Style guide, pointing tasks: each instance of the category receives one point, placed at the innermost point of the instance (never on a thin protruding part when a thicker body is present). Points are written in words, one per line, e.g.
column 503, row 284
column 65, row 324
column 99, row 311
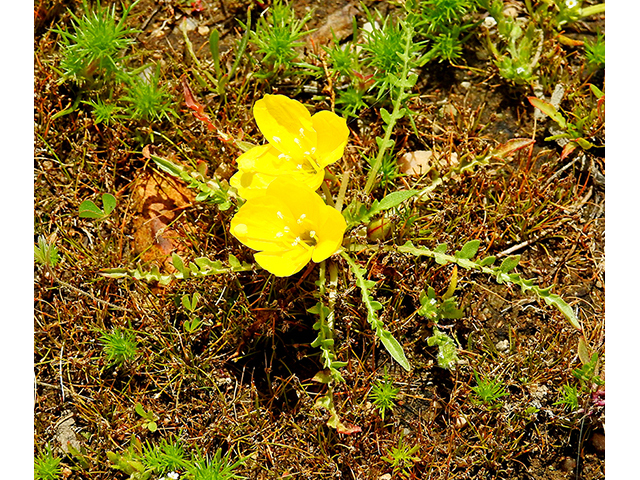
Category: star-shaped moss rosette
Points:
column 300, row 146
column 289, row 225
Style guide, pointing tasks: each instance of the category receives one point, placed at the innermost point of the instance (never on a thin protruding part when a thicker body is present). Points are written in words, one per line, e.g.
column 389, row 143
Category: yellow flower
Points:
column 288, row 225
column 300, row 145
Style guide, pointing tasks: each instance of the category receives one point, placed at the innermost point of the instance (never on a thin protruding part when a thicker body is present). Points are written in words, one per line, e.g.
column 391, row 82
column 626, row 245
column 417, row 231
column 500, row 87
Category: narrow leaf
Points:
column 549, row 110
column 511, row 146
column 394, row 348
column 509, row 263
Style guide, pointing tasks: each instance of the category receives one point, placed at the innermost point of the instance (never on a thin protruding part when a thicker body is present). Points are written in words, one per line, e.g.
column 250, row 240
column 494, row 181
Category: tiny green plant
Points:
column 595, row 51
column 46, row 466
column 169, row 455
column 216, row 467
column 277, row 37
column 383, row 394
column 119, row 346
column 488, row 390
column 402, row 458
column 97, row 43
column 569, row 397
column 45, row 253
column 88, row 209
column 149, row 418
column 103, row 112
column 146, row 98
column 193, row 323
column 443, row 23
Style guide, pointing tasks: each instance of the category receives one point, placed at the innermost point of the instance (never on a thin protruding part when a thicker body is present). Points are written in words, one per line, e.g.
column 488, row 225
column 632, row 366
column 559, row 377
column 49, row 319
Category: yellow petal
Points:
column 283, row 264
column 260, row 224
column 258, row 169
column 286, row 124
column 332, row 137
column 330, row 234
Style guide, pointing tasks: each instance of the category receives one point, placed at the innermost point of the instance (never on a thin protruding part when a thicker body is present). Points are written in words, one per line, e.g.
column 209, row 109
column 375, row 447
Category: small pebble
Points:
column 567, row 464
column 502, row 346
column 597, row 442
column 465, row 85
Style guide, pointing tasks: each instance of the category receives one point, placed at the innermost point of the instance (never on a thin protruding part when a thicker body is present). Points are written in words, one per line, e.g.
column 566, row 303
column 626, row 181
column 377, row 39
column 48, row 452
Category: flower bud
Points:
column 380, row 229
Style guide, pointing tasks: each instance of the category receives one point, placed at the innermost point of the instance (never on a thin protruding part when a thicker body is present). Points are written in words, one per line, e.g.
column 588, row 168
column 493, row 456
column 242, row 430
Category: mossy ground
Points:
column 242, row 382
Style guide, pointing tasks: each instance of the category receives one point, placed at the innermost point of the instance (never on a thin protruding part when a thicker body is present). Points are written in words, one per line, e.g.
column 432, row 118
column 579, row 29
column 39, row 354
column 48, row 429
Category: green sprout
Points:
column 45, row 253
column 103, row 112
column 146, row 98
column 488, row 391
column 169, row 455
column 277, row 36
column 218, row 467
column 402, row 458
column 569, row 397
column 383, row 394
column 119, row 346
column 97, row 43
column 594, row 51
column 46, row 466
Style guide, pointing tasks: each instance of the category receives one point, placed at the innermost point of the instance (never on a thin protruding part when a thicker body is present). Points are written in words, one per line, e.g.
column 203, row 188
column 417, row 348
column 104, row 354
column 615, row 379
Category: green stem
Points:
column 395, row 115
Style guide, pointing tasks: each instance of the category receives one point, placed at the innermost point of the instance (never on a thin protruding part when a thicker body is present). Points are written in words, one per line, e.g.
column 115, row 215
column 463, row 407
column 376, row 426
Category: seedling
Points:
column 277, row 37
column 488, row 391
column 569, row 397
column 402, row 458
column 190, row 305
column 45, row 253
column 149, row 419
column 383, row 394
column 97, row 43
column 147, row 99
column 595, row 51
column 119, row 346
column 88, row 209
column 46, row 466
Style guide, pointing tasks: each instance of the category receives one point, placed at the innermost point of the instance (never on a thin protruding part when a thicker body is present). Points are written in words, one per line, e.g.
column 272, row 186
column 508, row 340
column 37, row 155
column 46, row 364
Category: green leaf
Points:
column 186, row 303
column 386, row 116
column 108, row 203
column 152, row 426
column 438, row 254
column 394, row 348
column 549, row 110
column 392, row 200
column 88, row 209
column 468, row 250
column 141, row 411
column 509, row 263
column 566, row 310
column 487, row 261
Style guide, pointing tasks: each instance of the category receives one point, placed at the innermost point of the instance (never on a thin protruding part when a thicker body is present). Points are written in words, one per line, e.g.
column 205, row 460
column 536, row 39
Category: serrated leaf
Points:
column 394, row 348
column 108, row 203
column 88, row 209
column 468, row 250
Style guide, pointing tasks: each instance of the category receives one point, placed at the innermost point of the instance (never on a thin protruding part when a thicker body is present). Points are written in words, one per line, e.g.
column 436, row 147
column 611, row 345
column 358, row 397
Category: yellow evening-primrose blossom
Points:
column 300, row 145
column 288, row 225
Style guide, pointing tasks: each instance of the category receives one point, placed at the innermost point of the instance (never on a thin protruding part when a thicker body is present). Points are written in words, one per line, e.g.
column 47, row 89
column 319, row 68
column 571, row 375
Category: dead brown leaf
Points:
column 158, row 200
